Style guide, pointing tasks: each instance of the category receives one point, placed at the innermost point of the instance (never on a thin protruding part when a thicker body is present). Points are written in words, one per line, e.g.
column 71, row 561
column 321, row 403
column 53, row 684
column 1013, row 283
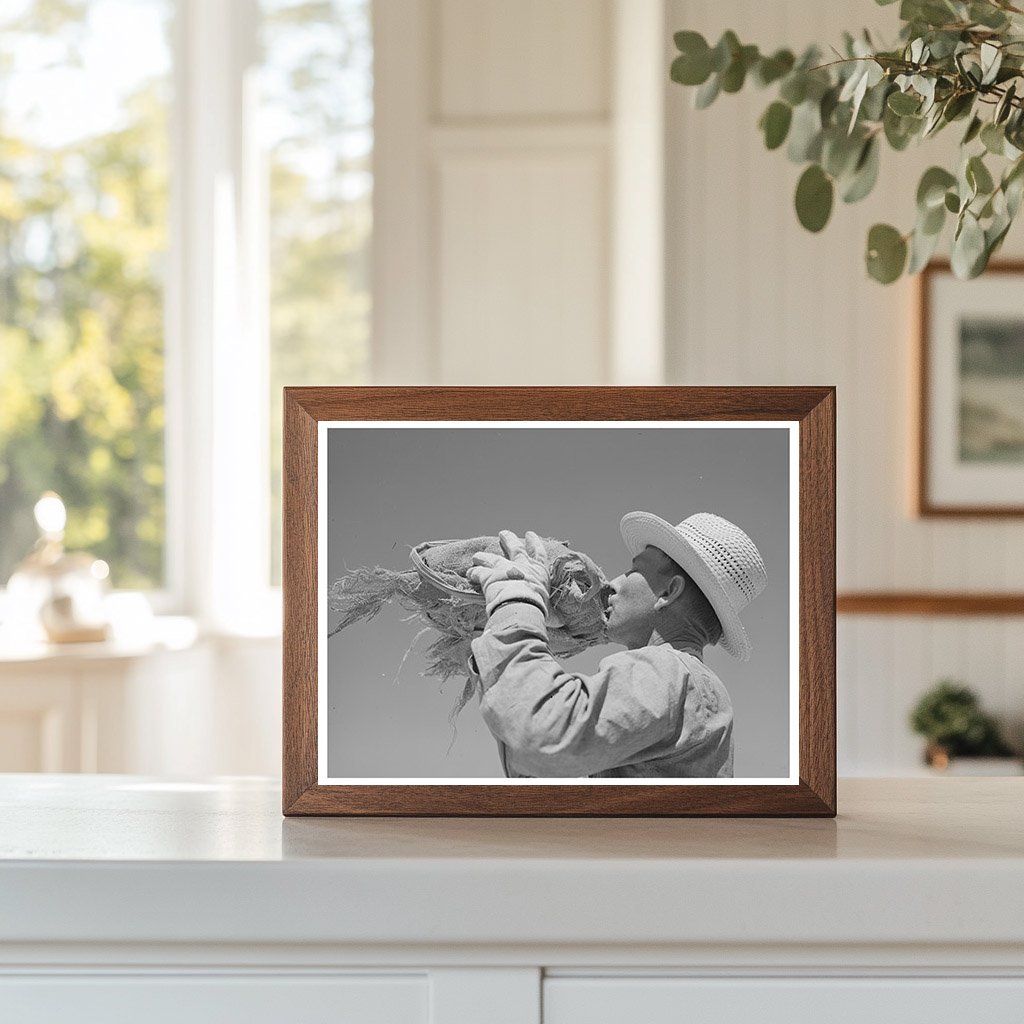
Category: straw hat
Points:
column 722, row 560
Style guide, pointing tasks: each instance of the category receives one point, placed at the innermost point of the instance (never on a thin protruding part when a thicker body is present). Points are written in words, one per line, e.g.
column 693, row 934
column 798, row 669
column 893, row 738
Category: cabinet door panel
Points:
column 783, row 1001
column 201, row 999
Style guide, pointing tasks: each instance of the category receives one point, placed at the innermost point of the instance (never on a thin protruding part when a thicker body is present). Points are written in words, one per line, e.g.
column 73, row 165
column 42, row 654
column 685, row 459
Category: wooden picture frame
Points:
column 319, row 420
column 969, row 448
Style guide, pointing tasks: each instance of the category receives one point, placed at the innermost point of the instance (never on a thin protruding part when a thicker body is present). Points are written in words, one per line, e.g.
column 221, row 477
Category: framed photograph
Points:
column 970, row 450
column 559, row 601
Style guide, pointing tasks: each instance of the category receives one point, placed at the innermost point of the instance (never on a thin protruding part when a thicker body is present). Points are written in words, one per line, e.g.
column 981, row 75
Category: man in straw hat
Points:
column 654, row 710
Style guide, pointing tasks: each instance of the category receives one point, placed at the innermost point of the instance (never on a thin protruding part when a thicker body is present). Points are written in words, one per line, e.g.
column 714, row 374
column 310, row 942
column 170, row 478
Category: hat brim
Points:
column 642, row 529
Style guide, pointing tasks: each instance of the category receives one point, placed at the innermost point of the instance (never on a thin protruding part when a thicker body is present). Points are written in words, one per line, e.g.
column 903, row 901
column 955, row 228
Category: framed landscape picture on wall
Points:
column 559, row 601
column 970, row 451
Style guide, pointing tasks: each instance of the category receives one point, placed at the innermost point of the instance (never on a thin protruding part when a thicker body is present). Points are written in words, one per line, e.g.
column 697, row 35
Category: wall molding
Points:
column 928, row 603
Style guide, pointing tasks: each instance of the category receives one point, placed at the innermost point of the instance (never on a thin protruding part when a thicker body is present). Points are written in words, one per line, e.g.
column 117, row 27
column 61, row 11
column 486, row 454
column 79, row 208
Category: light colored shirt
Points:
column 653, row 712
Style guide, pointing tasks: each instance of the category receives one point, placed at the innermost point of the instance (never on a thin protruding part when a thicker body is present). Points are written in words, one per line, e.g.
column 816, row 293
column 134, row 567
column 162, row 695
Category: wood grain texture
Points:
column 812, row 407
column 924, row 506
column 924, row 603
column 298, row 586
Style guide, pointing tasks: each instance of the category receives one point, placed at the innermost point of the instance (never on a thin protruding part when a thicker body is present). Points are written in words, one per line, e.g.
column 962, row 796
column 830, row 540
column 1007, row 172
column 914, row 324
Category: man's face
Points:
column 631, row 606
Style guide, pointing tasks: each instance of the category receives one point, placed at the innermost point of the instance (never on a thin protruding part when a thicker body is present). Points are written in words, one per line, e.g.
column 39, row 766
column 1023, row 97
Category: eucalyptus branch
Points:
column 833, row 117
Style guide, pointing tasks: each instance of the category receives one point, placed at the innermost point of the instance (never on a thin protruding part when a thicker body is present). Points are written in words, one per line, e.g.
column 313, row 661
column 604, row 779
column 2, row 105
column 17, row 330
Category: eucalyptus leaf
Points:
column 991, row 60
column 932, row 221
column 958, row 105
column 903, row 103
column 794, row 88
column 724, row 51
column 978, row 176
column 993, row 138
column 805, row 133
column 900, row 130
column 840, row 152
column 735, row 74
column 1013, row 191
column 814, row 195
column 968, row 247
column 952, row 202
column 922, row 248
column 865, row 173
column 873, row 106
column 707, row 93
column 931, row 190
column 775, row 123
column 987, row 15
column 972, row 132
column 1004, row 106
column 886, row 253
column 771, row 69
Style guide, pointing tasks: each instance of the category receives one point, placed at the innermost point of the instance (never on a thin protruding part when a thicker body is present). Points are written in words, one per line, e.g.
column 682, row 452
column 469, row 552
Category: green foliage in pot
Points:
column 949, row 715
column 956, row 61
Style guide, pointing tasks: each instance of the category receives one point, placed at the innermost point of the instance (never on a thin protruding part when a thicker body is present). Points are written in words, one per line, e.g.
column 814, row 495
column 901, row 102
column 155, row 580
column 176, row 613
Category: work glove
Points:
column 522, row 575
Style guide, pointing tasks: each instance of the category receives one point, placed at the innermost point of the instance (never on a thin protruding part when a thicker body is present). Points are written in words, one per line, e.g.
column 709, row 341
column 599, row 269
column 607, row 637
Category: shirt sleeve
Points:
column 559, row 723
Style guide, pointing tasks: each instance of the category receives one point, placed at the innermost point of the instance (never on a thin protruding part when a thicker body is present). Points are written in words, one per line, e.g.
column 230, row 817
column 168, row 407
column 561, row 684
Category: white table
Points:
column 125, row 898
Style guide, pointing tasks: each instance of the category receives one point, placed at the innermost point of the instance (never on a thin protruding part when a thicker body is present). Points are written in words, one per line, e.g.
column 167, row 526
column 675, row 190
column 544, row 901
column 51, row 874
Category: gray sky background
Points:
column 390, row 489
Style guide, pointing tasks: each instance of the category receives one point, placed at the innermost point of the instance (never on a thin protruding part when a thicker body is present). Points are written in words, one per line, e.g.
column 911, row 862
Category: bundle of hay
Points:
column 437, row 590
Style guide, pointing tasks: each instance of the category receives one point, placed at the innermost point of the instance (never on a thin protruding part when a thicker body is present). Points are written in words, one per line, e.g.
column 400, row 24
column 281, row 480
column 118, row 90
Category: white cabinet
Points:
column 132, row 898
column 202, row 999
column 823, row 1000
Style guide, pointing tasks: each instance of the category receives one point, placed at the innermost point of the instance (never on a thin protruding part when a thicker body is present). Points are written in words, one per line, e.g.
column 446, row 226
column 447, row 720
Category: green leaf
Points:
column 991, row 60
column 900, row 130
column 1013, row 186
column 922, row 247
column 771, row 69
column 865, row 173
column 978, row 176
column 735, row 74
column 952, row 202
column 886, row 254
column 993, row 138
column 972, row 131
column 1004, row 106
column 873, row 106
column 693, row 65
column 931, row 222
column 904, row 103
column 968, row 256
column 839, row 151
column 958, row 105
column 805, row 133
column 707, row 93
column 690, row 71
column 725, row 50
column 931, row 191
column 814, row 195
column 794, row 89
column 775, row 124
column 987, row 15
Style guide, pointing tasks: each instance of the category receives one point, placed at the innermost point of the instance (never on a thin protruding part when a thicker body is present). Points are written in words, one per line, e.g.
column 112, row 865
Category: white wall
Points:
column 754, row 299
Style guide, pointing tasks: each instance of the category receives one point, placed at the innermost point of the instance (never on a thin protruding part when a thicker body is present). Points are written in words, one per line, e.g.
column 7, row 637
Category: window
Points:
column 317, row 117
column 83, row 236
column 185, row 221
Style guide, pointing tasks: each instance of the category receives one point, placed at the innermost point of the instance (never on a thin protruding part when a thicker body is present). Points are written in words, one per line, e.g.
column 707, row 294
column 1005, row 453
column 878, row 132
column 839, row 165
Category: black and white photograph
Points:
column 595, row 602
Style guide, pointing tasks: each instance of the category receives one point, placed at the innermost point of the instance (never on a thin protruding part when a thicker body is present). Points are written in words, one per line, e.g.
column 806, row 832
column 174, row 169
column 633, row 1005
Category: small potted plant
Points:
column 950, row 717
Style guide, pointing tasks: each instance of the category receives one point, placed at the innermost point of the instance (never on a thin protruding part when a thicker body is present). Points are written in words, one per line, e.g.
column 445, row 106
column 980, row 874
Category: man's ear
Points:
column 675, row 588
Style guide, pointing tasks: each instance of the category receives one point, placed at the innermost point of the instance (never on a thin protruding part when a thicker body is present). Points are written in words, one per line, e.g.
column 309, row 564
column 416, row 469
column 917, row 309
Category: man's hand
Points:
column 522, row 575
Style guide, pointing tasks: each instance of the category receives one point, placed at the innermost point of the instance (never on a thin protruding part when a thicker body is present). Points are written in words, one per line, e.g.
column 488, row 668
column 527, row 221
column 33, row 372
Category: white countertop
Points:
column 125, row 859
